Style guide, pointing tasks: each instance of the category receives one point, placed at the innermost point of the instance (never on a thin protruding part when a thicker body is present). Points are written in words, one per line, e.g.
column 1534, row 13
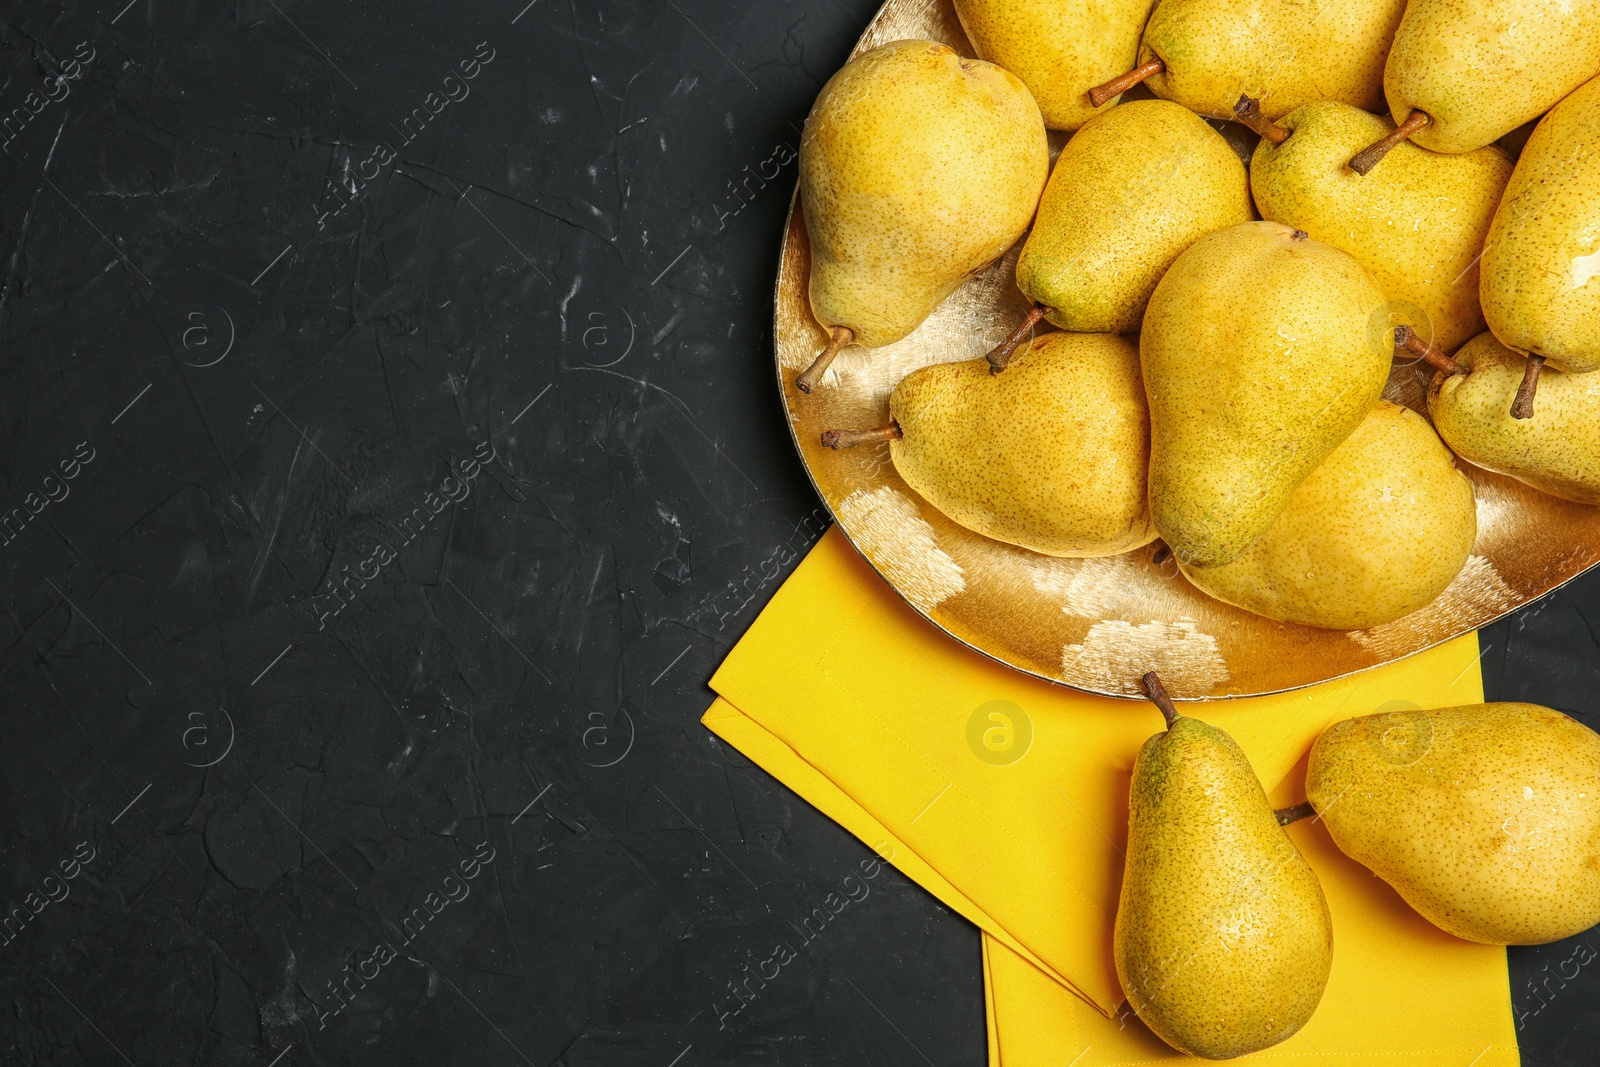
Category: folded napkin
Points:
column 1006, row 798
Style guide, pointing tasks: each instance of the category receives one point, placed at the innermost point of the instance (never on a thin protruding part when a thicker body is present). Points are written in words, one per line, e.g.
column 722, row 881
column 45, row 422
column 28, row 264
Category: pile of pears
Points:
column 1223, row 329
column 1484, row 818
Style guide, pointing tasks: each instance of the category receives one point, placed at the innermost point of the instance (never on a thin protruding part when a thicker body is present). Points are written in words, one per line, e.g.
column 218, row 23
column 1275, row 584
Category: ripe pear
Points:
column 1260, row 356
column 1058, row 50
column 1558, row 452
column 1050, row 456
column 1133, row 189
column 1485, row 818
column 1417, row 223
column 1204, row 53
column 1540, row 279
column 1222, row 941
column 1374, row 533
column 1464, row 74
column 918, row 168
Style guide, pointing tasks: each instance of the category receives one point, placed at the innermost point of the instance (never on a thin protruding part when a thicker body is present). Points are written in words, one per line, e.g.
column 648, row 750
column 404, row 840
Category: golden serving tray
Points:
column 1098, row 624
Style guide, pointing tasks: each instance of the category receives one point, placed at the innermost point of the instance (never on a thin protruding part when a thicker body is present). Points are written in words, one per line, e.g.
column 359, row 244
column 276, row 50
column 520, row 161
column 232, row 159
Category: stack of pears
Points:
column 1223, row 339
column 1262, row 456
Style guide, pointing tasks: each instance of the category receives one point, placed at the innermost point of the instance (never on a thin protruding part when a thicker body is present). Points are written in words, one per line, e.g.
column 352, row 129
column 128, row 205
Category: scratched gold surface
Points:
column 1096, row 624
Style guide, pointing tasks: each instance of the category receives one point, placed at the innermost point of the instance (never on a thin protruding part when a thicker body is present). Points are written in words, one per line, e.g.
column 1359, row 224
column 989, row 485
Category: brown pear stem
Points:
column 841, row 336
column 1123, row 82
column 1522, row 406
column 1158, row 696
column 1248, row 110
column 837, row 439
column 1000, row 358
column 1407, row 340
column 1285, row 816
column 1373, row 154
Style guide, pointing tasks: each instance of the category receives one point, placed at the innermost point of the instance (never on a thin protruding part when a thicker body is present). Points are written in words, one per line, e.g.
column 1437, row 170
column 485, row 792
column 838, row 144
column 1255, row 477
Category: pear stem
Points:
column 1409, row 341
column 1522, row 406
column 1373, row 154
column 1248, row 111
column 837, row 439
column 1000, row 358
column 1123, row 82
column 1285, row 816
column 1158, row 696
column 837, row 340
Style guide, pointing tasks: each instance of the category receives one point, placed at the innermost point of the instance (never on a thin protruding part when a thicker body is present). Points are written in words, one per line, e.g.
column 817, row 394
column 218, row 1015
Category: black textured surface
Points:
column 391, row 442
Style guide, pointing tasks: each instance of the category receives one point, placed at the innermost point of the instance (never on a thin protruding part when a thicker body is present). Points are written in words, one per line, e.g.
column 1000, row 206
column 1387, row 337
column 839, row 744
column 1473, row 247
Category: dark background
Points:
column 268, row 376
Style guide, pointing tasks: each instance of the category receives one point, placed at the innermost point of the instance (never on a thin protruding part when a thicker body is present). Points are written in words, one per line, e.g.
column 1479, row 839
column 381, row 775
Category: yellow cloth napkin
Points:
column 1006, row 798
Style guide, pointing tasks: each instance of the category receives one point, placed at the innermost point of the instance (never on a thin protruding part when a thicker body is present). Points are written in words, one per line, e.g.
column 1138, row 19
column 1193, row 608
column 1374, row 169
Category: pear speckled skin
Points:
column 917, row 169
column 1050, row 455
column 1222, row 940
column 1417, row 223
column 1485, row 818
column 1261, row 352
column 1541, row 265
column 1060, row 51
column 1273, row 50
column 1134, row 188
column 1378, row 530
column 1557, row 451
column 1481, row 68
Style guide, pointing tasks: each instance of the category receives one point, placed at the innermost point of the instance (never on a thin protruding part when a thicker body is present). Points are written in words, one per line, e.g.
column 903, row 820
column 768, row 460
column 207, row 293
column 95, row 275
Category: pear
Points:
column 1462, row 75
column 1559, row 452
column 918, row 168
column 1418, row 224
column 1058, row 50
column 1204, row 53
column 1259, row 357
column 1541, row 264
column 1378, row 530
column 1222, row 941
column 1133, row 189
column 1485, row 818
column 1050, row 456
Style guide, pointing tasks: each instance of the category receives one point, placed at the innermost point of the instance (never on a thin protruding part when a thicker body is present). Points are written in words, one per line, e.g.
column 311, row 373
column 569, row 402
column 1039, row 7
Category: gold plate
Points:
column 1098, row 624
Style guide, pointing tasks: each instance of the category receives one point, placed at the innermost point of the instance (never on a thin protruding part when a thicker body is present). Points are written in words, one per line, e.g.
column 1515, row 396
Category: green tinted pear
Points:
column 1262, row 350
column 1222, row 942
column 1129, row 193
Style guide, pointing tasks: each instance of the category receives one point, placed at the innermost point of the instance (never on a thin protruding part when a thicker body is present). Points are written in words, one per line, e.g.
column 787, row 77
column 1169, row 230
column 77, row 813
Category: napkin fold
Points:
column 1006, row 798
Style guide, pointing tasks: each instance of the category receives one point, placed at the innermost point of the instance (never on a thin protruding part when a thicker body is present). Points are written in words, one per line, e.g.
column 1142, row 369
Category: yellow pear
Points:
column 1205, row 54
column 1558, row 452
column 1464, row 73
column 1485, row 818
column 1260, row 356
column 1131, row 190
column 1541, row 264
column 1374, row 533
column 918, row 168
column 1058, row 50
column 1050, row 455
column 1418, row 223
column 1222, row 942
